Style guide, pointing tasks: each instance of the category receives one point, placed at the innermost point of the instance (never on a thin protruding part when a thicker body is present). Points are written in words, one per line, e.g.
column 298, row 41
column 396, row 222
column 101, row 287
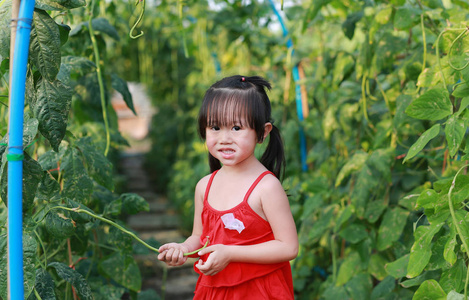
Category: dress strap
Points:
column 255, row 184
column 209, row 184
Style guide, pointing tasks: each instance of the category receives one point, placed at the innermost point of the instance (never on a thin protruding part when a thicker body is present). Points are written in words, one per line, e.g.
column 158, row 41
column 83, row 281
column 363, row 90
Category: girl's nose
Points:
column 225, row 136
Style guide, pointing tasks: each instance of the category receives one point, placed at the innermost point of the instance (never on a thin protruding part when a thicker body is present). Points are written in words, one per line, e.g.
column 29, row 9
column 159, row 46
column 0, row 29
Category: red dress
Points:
column 241, row 280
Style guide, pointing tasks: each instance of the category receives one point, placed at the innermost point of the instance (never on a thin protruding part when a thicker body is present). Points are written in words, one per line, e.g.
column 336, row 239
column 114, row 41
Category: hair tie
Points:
column 243, row 79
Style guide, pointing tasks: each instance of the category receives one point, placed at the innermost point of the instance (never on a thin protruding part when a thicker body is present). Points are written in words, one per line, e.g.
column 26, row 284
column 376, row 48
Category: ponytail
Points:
column 274, row 156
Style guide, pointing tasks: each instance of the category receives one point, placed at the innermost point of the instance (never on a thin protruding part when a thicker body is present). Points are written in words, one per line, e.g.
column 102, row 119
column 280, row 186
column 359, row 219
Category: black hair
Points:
column 237, row 98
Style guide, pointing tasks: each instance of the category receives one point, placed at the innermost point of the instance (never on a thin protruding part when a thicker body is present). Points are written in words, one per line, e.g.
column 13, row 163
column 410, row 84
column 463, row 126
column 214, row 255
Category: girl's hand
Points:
column 173, row 254
column 218, row 260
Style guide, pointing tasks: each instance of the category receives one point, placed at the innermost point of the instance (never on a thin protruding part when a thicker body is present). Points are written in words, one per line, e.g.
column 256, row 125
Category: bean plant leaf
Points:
column 430, row 289
column 354, row 233
column 421, row 278
column 406, row 17
column 454, row 130
column 59, row 5
column 421, row 252
column 462, row 107
column 74, row 278
column 78, row 65
column 349, row 268
column 123, row 269
column 432, row 105
column 32, row 175
column 448, row 252
column 45, row 45
column 99, row 167
column 44, row 286
column 422, row 141
column 391, row 227
column 453, row 278
column 29, row 260
column 51, row 108
column 374, row 210
column 99, row 24
column 78, row 186
column 376, row 266
column 359, row 287
column 384, row 288
column 59, row 224
column 455, row 296
column 121, row 86
column 128, row 203
column 355, row 163
column 5, row 31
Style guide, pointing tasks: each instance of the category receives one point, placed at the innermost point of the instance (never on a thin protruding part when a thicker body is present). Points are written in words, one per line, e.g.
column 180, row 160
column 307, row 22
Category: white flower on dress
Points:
column 232, row 223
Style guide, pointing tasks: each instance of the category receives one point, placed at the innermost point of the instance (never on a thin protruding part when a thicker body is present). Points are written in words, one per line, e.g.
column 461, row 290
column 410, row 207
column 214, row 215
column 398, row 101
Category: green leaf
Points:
column 455, row 129
column 59, row 5
column 78, row 65
column 99, row 167
column 448, row 252
column 48, row 189
column 354, row 233
column 384, row 288
column 51, row 108
column 391, row 227
column 374, row 210
column 123, row 269
column 79, row 217
column 376, row 266
column 322, row 224
column 99, row 25
column 455, row 296
column 453, row 278
column 59, row 224
column 421, row 278
column 461, row 90
column 355, row 163
column 343, row 216
column 74, row 278
column 350, row 23
column 5, row 17
column 462, row 107
column 349, row 268
column 421, row 252
column 384, row 15
column 333, row 292
column 427, row 199
column 422, row 141
column 32, row 175
column 432, row 105
column 406, row 17
column 45, row 45
column 359, row 287
column 430, row 290
column 29, row 260
column 314, row 10
column 120, row 85
column 44, row 286
column 128, row 203
column 77, row 184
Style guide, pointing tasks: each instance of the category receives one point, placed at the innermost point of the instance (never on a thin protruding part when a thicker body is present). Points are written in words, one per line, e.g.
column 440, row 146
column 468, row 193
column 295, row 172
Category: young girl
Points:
column 241, row 206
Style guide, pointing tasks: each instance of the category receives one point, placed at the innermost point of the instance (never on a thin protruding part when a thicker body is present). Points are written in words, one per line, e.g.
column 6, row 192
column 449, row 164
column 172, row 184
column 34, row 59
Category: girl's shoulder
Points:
column 202, row 185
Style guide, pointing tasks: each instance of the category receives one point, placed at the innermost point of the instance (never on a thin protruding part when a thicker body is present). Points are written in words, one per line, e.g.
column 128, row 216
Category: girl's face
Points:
column 232, row 144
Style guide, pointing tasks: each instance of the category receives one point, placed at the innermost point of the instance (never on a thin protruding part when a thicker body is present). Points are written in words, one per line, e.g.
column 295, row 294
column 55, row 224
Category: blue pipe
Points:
column 15, row 151
column 296, row 78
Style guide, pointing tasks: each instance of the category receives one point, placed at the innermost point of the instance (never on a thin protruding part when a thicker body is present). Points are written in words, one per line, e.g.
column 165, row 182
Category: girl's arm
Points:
column 173, row 253
column 285, row 246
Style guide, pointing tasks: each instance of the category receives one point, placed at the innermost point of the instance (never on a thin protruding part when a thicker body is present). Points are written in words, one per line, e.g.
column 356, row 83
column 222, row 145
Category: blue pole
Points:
column 296, row 78
column 15, row 151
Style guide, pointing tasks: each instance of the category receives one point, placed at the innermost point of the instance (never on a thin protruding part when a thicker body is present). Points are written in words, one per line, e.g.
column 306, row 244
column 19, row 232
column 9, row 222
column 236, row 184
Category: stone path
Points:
column 161, row 223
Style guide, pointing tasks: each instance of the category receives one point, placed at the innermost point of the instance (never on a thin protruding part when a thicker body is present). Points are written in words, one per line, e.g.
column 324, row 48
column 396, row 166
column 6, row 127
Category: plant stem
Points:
column 43, row 250
column 334, row 259
column 79, row 210
column 456, row 224
column 97, row 60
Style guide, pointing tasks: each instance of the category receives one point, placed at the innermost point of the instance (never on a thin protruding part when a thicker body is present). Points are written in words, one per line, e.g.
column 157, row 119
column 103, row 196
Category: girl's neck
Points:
column 252, row 166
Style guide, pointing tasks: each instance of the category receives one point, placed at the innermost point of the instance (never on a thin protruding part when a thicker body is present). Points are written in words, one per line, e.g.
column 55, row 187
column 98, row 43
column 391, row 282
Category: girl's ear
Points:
column 267, row 130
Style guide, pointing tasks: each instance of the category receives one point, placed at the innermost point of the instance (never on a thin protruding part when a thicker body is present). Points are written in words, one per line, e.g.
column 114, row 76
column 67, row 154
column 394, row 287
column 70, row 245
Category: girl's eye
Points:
column 236, row 128
column 216, row 128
